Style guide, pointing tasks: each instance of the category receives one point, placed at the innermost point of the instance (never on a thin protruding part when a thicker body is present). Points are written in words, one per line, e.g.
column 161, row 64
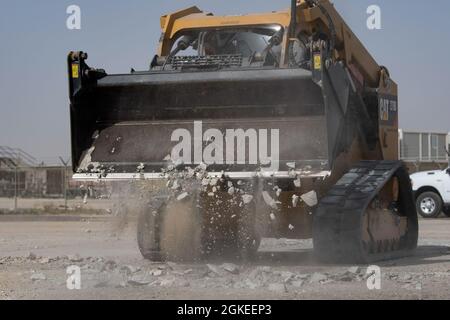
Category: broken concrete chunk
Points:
column 139, row 281
column 310, row 198
column 169, row 282
column 214, row 269
column 156, row 272
column 278, row 191
column 183, row 196
column 292, row 174
column 269, row 200
column 295, row 200
column 38, row 277
column 75, row 258
column 247, row 198
column 175, row 185
column 298, row 183
column 190, row 172
column 302, row 276
column 287, row 276
column 44, row 261
column 318, row 278
column 406, row 277
column 231, row 268
column 202, row 167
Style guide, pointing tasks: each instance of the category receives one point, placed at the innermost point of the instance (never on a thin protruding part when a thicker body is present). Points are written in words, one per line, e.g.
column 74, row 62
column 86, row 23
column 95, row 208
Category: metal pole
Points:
column 65, row 188
column 16, row 187
column 64, row 181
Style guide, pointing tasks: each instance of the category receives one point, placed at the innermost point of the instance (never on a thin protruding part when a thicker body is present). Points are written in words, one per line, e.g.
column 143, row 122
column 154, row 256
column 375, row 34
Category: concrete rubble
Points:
column 269, row 200
column 38, row 277
column 231, row 268
column 75, row 258
column 278, row 288
column 310, row 198
column 183, row 196
column 295, row 200
column 247, row 198
column 122, row 271
column 44, row 260
column 318, row 278
column 107, row 273
column 139, row 281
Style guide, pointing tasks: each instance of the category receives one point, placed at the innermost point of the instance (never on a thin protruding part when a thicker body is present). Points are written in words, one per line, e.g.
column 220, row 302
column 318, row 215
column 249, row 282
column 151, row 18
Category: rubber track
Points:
column 339, row 215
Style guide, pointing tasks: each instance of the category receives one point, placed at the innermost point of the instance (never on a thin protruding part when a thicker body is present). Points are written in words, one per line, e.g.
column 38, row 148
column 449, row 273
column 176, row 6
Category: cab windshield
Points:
column 261, row 44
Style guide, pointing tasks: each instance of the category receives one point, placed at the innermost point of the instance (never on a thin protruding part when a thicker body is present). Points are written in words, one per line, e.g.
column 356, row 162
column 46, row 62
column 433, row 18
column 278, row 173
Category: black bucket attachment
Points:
column 132, row 123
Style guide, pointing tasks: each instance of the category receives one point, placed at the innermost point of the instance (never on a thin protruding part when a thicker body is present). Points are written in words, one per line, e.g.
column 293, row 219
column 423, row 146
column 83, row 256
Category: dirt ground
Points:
column 36, row 251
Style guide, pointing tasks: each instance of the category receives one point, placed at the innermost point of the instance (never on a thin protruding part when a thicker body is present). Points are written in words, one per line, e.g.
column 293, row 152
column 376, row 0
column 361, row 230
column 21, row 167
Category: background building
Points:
column 424, row 150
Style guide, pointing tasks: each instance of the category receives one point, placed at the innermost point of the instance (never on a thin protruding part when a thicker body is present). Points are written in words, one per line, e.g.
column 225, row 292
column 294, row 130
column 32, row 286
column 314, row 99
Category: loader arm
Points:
column 348, row 47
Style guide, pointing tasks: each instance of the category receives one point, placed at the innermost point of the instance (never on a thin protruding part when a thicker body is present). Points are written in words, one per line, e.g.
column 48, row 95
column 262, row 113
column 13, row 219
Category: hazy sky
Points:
column 414, row 43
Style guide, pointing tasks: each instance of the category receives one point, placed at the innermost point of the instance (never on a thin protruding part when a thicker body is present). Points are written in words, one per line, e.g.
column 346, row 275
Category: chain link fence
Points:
column 24, row 179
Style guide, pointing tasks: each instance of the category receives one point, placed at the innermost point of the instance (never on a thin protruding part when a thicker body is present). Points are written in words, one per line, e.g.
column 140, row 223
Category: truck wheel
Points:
column 429, row 205
column 181, row 231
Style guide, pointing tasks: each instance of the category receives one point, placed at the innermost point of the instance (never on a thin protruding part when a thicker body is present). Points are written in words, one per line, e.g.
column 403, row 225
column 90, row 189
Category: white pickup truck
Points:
column 432, row 192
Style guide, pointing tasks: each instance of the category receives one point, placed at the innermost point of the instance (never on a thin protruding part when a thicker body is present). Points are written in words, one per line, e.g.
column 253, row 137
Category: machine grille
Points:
column 215, row 61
